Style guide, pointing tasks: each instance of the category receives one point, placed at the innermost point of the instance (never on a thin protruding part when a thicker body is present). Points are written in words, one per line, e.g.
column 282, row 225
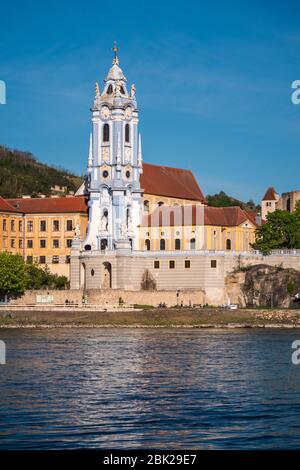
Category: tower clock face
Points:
column 128, row 112
column 105, row 112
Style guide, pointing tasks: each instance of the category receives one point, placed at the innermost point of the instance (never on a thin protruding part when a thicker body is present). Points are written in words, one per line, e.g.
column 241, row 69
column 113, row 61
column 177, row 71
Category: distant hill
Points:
column 21, row 173
column 223, row 200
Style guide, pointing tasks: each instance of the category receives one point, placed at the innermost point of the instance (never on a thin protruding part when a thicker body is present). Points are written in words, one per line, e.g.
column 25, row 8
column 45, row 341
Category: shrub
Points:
column 148, row 281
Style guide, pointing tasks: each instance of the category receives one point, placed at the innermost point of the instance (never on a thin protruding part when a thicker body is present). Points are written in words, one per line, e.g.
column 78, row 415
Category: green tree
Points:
column 12, row 275
column 281, row 230
column 42, row 278
column 223, row 200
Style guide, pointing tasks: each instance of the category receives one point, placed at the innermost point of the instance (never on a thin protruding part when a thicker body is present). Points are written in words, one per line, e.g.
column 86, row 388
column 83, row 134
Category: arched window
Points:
column 122, row 91
column 146, row 206
column 106, row 133
column 147, row 244
column 192, row 244
column 228, row 244
column 109, row 89
column 162, row 244
column 127, row 133
column 177, row 244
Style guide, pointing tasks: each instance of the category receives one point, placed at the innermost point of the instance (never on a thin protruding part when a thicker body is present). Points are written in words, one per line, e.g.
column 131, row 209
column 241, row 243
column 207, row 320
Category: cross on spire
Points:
column 115, row 49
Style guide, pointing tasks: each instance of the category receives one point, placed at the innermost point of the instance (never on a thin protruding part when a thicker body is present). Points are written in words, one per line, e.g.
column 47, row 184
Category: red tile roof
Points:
column 252, row 216
column 50, row 204
column 5, row 206
column 270, row 195
column 170, row 182
column 197, row 215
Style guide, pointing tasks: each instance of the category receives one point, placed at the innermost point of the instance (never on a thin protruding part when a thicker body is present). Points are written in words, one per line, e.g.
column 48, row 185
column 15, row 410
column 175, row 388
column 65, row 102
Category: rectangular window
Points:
column 55, row 259
column 4, row 225
column 42, row 243
column 20, row 243
column 187, row 264
column 43, row 226
column 20, row 226
column 156, row 264
column 171, row 264
column 12, row 225
column 42, row 259
column 68, row 259
column 69, row 242
column 213, row 263
column 29, row 259
column 4, row 241
column 55, row 243
column 69, row 225
column 29, row 243
column 55, row 225
column 12, row 243
column 30, row 226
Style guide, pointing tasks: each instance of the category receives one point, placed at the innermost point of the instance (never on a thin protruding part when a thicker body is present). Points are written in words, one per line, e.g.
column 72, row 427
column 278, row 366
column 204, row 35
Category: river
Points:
column 149, row 388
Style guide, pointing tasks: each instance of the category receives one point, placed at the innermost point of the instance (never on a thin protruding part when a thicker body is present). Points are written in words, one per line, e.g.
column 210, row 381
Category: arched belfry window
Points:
column 127, row 133
column 109, row 89
column 106, row 133
column 192, row 244
column 228, row 244
column 162, row 244
column 147, row 244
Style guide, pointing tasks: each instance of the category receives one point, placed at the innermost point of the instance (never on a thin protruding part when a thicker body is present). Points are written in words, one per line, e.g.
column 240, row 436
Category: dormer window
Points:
column 109, row 90
column 106, row 133
column 127, row 133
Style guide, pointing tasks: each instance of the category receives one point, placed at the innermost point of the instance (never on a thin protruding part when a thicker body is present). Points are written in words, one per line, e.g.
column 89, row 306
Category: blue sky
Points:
column 213, row 84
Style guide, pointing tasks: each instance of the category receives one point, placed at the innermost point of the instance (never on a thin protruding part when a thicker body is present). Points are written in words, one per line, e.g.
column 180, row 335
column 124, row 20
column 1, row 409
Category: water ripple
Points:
column 149, row 389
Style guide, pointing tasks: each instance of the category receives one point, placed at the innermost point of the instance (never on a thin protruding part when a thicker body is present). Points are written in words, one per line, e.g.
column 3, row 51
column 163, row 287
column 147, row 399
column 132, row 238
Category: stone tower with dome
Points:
column 114, row 166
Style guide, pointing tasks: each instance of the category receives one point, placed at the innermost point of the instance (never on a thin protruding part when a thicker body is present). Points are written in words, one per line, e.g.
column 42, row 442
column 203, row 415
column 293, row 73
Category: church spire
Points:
column 115, row 49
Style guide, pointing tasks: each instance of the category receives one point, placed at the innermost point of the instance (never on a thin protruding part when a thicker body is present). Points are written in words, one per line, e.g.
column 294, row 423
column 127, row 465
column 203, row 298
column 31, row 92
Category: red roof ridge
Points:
column 270, row 194
column 50, row 204
column 167, row 166
column 228, row 216
column 178, row 183
column 5, row 206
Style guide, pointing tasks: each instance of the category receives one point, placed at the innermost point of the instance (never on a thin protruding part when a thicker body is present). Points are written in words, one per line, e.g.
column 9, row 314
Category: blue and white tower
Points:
column 114, row 166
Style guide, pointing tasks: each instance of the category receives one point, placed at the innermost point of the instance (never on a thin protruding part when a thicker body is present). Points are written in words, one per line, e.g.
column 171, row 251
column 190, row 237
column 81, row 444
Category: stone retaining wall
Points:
column 110, row 297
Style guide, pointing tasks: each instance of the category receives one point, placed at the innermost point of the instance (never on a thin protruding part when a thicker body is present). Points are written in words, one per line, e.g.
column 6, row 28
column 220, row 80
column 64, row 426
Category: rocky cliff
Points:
column 264, row 286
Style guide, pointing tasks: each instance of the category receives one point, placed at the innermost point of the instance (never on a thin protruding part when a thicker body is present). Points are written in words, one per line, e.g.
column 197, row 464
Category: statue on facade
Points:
column 132, row 90
column 123, row 230
column 129, row 224
column 104, row 222
column 77, row 231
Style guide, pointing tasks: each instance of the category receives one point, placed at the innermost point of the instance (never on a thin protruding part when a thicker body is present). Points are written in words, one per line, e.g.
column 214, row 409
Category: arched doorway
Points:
column 106, row 275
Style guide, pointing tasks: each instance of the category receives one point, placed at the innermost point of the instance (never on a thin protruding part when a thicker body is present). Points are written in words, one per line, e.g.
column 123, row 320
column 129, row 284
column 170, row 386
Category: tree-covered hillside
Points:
column 223, row 200
column 21, row 173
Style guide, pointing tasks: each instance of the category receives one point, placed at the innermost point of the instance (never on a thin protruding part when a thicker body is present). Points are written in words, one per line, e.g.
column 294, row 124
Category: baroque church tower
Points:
column 114, row 166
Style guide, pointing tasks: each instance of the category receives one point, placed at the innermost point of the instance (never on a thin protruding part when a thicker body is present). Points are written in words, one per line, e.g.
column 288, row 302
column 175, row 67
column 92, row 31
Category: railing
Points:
column 166, row 253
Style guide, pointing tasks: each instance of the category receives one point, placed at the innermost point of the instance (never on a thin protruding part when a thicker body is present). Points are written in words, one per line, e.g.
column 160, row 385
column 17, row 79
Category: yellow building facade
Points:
column 42, row 230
